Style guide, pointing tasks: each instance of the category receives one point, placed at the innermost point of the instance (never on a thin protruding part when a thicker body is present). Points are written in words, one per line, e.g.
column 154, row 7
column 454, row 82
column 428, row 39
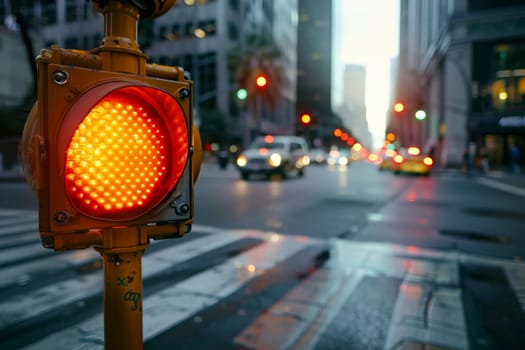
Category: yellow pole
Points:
column 122, row 259
column 122, row 248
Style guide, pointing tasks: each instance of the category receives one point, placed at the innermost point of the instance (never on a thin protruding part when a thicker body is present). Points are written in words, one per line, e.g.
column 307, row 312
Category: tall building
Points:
column 314, row 49
column 463, row 61
column 353, row 109
column 200, row 36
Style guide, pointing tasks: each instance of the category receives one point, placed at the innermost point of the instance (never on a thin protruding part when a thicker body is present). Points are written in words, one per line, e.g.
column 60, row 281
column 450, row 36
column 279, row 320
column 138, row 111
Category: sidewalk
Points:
column 505, row 177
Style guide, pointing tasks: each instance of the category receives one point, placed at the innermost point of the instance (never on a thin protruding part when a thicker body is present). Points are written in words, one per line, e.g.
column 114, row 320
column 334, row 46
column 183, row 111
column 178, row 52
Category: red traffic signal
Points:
column 399, row 107
column 306, row 119
column 106, row 149
column 261, row 81
column 125, row 154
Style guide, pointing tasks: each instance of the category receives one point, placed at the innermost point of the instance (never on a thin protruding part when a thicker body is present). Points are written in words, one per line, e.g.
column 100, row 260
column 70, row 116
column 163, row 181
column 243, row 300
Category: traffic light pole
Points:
column 111, row 151
column 122, row 260
column 122, row 248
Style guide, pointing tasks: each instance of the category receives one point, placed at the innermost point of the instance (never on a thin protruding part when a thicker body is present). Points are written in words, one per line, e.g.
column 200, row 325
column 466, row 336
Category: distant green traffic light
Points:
column 242, row 94
column 420, row 114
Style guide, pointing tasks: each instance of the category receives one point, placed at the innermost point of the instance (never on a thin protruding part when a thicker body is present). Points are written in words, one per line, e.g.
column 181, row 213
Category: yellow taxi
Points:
column 387, row 160
column 412, row 161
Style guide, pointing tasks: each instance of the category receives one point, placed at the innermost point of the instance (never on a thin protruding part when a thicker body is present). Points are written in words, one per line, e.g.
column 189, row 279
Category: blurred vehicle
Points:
column 318, row 156
column 412, row 161
column 338, row 157
column 387, row 160
column 270, row 155
column 223, row 158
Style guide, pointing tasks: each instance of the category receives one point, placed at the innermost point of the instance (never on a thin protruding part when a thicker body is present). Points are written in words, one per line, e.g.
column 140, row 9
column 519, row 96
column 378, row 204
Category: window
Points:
column 2, row 12
column 49, row 12
column 71, row 42
column 27, row 10
column 477, row 5
column 175, row 31
column 234, row 5
column 188, row 29
column 72, row 11
column 233, row 31
column 208, row 27
column 163, row 33
column 207, row 76
column 499, row 73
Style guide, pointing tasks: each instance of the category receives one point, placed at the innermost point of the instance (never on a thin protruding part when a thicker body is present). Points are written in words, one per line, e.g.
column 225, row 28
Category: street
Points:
column 342, row 258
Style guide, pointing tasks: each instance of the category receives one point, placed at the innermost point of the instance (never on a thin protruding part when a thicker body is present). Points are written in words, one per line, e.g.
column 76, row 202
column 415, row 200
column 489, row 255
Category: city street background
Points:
column 344, row 257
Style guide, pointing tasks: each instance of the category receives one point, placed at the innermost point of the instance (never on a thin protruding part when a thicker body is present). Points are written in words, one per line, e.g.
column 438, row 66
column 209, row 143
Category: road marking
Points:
column 28, row 227
column 428, row 313
column 501, row 186
column 174, row 304
column 428, row 309
column 62, row 293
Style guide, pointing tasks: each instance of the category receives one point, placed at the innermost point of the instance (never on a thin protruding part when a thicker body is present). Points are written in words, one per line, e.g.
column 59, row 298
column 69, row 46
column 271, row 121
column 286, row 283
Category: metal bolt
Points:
column 60, row 77
column 48, row 242
column 182, row 208
column 184, row 93
column 61, row 217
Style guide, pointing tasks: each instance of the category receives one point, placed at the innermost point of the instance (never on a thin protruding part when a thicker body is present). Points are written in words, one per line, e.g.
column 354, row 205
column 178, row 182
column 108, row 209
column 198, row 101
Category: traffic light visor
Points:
column 124, row 150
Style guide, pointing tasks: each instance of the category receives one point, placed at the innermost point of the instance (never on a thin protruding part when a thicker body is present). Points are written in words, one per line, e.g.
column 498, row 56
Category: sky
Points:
column 366, row 32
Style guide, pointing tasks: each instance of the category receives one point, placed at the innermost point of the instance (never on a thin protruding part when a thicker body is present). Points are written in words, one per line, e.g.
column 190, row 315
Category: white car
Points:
column 270, row 155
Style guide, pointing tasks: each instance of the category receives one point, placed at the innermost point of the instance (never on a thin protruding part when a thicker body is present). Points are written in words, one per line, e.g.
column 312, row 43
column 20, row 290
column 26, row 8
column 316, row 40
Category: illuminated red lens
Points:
column 127, row 154
column 261, row 81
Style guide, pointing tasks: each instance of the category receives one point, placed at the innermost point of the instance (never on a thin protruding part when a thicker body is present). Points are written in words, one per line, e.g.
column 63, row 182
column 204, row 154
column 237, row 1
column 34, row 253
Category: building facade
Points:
column 200, row 36
column 353, row 109
column 314, row 69
column 463, row 62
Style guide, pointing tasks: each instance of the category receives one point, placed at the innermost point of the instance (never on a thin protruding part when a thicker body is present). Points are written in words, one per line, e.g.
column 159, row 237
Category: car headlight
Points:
column 342, row 161
column 242, row 161
column 275, row 159
column 306, row 160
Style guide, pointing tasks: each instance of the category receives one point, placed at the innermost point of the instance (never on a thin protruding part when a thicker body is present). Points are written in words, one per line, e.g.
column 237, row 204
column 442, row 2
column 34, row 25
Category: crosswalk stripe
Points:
column 429, row 313
column 13, row 229
column 30, row 218
column 501, row 186
column 174, row 304
column 62, row 293
column 18, row 212
column 22, row 273
column 19, row 239
column 428, row 308
column 19, row 253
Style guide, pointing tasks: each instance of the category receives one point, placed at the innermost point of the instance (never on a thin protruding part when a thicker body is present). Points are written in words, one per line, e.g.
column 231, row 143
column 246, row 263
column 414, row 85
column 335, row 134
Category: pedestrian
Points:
column 515, row 158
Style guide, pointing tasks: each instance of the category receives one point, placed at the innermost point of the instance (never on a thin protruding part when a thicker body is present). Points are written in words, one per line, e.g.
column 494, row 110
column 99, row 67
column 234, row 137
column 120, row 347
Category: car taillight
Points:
column 398, row 159
column 428, row 161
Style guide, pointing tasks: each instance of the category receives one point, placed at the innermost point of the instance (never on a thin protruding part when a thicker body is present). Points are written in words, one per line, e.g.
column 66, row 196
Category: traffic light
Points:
column 399, row 107
column 261, row 81
column 420, row 114
column 242, row 94
column 105, row 149
column 305, row 119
